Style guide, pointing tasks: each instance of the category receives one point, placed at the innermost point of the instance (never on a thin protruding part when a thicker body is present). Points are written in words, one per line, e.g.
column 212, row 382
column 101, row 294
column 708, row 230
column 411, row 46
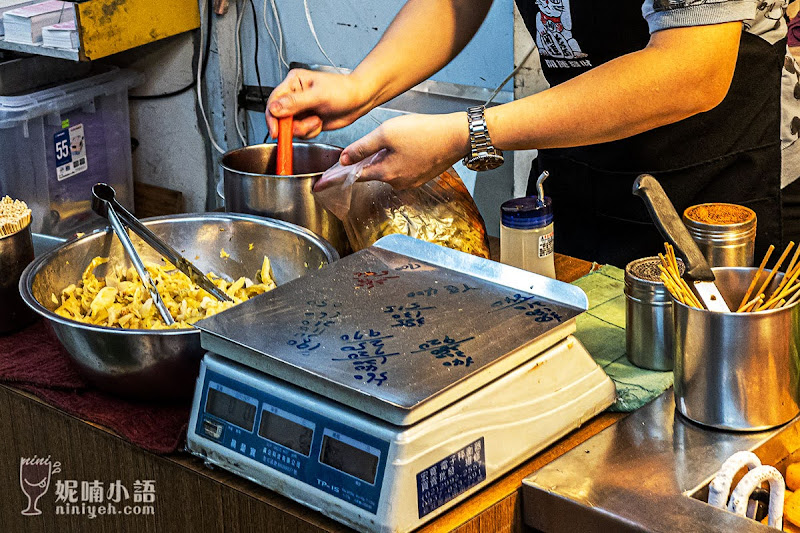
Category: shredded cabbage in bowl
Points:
column 121, row 300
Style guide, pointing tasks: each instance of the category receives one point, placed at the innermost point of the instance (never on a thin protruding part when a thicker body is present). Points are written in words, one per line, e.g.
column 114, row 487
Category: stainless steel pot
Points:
column 251, row 186
column 737, row 371
column 163, row 364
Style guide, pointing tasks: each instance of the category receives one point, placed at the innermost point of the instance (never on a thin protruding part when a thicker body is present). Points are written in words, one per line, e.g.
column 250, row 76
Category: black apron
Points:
column 729, row 154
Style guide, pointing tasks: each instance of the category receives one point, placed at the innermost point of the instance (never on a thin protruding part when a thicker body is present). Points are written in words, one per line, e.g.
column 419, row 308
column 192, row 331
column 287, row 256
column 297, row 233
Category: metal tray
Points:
column 648, row 472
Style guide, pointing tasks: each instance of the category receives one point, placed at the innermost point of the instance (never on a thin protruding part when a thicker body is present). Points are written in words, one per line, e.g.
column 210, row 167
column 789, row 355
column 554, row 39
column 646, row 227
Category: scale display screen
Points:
column 349, row 459
column 230, row 409
column 286, row 432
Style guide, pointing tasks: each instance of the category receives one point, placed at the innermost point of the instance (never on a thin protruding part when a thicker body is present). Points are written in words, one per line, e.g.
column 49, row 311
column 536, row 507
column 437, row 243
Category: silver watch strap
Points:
column 479, row 139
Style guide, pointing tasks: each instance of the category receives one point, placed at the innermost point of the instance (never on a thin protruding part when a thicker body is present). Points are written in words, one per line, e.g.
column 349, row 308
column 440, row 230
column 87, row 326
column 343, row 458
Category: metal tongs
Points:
column 105, row 204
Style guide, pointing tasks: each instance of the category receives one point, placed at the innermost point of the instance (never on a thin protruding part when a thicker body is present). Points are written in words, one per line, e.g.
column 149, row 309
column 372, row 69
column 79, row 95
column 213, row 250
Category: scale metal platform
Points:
column 388, row 386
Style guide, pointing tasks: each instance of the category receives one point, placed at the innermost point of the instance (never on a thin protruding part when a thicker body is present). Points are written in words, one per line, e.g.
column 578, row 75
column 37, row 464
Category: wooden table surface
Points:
column 192, row 498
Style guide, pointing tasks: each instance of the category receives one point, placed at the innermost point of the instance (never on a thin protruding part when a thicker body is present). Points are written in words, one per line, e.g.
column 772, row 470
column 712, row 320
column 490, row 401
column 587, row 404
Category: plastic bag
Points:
column 442, row 211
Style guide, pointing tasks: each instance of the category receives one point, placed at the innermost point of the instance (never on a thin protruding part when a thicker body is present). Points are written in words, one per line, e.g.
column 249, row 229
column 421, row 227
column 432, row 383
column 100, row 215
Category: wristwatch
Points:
column 482, row 155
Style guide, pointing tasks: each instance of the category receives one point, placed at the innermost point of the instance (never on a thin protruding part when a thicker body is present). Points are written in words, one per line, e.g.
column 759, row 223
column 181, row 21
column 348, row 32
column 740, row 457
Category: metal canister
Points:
column 737, row 371
column 16, row 252
column 648, row 315
column 725, row 233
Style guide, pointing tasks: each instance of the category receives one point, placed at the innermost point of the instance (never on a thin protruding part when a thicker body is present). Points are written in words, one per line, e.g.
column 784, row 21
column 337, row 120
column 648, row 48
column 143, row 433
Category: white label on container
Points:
column 70, row 149
column 545, row 244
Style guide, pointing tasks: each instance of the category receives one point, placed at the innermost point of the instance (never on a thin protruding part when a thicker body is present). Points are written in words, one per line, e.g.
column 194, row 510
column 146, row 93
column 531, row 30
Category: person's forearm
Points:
column 678, row 75
column 424, row 36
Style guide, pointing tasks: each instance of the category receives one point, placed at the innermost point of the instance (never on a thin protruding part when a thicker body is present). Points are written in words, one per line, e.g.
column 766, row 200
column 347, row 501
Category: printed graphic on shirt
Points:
column 791, row 85
column 666, row 5
column 558, row 47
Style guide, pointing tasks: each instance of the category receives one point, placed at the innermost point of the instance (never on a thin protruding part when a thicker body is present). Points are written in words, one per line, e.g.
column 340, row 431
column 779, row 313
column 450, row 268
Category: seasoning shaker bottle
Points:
column 526, row 235
column 725, row 233
column 649, row 328
column 526, row 232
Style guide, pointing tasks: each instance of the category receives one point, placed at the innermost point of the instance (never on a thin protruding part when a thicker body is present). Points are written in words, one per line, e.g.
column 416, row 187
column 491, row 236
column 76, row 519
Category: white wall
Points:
column 172, row 149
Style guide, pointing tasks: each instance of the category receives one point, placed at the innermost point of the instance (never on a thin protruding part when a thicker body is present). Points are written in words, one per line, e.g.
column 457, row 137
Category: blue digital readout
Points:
column 321, row 452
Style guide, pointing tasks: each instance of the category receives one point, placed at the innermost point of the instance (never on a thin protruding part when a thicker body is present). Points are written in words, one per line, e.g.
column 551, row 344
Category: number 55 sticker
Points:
column 70, row 152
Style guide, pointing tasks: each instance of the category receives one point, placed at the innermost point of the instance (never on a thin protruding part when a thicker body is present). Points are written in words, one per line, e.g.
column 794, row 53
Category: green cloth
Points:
column 602, row 331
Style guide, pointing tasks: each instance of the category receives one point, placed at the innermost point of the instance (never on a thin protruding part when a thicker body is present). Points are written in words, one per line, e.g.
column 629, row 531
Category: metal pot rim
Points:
column 30, row 272
column 733, row 312
column 262, row 175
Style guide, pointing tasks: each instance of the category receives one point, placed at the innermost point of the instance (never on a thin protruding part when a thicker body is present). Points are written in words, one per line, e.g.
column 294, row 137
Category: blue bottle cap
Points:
column 526, row 213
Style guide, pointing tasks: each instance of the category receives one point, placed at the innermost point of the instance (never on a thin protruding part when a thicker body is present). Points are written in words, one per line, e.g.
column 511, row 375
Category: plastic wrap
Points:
column 441, row 211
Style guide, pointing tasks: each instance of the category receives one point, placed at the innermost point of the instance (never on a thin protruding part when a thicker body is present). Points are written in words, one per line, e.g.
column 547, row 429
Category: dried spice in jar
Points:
column 719, row 214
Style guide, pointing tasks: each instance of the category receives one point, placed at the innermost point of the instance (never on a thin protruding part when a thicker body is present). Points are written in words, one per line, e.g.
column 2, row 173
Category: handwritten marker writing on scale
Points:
column 284, row 167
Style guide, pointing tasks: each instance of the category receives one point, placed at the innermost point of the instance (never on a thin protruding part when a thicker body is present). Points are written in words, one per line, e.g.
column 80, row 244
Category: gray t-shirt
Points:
column 762, row 18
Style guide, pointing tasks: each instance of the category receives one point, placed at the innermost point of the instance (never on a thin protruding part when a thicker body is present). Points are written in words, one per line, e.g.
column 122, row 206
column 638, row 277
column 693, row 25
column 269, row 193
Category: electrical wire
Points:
column 201, row 64
column 316, row 38
column 282, row 62
column 513, row 73
column 311, row 27
column 198, row 87
column 255, row 58
column 239, row 67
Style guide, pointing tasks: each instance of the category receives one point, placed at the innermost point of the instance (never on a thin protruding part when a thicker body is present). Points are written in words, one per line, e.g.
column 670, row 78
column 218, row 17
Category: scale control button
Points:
column 212, row 429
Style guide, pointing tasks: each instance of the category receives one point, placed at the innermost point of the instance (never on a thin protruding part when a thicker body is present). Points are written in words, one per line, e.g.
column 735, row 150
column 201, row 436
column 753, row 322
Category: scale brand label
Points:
column 450, row 477
column 70, row 150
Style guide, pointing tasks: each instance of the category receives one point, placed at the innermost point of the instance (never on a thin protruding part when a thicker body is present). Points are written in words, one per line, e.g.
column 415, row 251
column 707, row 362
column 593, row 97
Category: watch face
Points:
column 484, row 162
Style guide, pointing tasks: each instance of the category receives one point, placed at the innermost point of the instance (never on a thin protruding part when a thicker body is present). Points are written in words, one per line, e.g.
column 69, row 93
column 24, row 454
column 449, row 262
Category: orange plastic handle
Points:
column 285, row 146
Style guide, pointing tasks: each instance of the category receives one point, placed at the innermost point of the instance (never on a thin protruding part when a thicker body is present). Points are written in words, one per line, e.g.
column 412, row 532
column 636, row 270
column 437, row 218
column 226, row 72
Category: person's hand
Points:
column 417, row 148
column 317, row 100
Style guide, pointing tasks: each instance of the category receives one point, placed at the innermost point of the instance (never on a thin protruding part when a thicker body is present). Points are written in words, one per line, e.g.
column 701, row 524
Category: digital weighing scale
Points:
column 388, row 386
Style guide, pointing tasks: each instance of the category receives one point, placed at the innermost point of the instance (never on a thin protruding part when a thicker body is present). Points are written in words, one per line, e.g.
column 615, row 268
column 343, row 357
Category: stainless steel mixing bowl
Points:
column 158, row 365
column 251, row 186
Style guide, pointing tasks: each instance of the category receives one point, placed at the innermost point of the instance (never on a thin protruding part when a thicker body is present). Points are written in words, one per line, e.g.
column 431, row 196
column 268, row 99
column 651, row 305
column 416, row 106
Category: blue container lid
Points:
column 526, row 213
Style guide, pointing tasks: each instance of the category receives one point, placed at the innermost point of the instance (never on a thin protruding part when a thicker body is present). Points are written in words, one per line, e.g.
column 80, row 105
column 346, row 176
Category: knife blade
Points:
column 671, row 227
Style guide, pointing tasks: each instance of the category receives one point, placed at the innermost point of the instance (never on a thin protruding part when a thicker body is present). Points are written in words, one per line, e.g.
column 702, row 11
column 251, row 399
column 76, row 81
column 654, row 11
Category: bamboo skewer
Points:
column 793, row 299
column 789, row 271
column 776, row 267
column 755, row 302
column 14, row 216
column 777, row 304
column 671, row 277
column 758, row 275
column 786, row 293
column 781, row 295
column 791, row 285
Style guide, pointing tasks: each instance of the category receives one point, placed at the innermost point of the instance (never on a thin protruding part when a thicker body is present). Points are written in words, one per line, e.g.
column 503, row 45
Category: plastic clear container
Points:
column 526, row 235
column 58, row 141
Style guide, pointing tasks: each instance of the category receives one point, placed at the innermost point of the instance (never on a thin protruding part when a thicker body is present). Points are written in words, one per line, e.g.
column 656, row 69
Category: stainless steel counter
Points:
column 641, row 475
